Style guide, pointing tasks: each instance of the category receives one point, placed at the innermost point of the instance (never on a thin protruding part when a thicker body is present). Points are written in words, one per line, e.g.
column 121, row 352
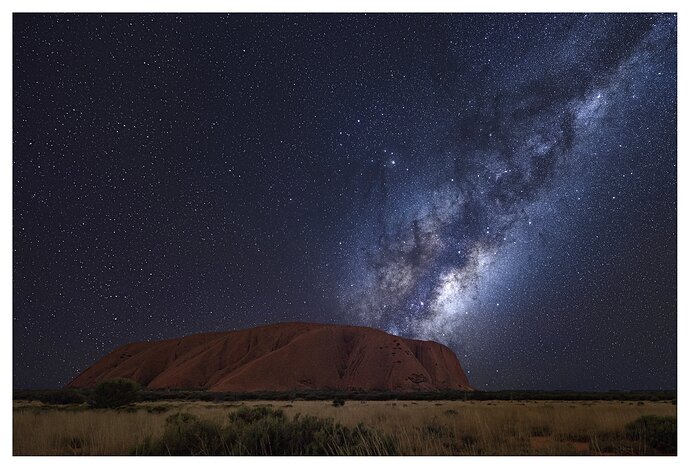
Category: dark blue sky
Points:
column 505, row 184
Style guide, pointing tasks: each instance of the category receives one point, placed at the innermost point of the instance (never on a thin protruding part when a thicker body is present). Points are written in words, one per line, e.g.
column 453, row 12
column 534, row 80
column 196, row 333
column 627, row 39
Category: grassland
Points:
column 526, row 427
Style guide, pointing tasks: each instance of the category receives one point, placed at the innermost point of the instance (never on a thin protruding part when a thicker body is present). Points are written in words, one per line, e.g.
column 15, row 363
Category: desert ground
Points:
column 526, row 427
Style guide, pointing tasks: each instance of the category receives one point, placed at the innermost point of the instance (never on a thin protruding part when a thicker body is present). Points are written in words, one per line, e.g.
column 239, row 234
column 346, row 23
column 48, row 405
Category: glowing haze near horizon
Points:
column 504, row 184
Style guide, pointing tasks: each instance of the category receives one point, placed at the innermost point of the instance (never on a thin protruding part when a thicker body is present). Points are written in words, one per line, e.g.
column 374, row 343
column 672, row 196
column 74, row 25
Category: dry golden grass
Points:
column 420, row 427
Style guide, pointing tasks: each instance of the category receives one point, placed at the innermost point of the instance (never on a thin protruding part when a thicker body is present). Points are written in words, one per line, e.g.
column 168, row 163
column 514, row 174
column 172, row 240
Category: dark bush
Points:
column 338, row 402
column 184, row 434
column 264, row 431
column 115, row 393
column 63, row 397
column 249, row 415
column 657, row 432
column 55, row 397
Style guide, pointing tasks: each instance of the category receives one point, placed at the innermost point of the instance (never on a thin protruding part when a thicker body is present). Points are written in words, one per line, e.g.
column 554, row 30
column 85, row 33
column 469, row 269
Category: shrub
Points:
column 115, row 393
column 249, row 415
column 186, row 434
column 63, row 397
column 338, row 402
column 55, row 397
column 264, row 431
column 437, row 430
column 658, row 432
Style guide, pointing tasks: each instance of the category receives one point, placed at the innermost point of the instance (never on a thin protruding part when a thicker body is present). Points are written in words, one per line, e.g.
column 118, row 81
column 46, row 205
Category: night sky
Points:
column 504, row 184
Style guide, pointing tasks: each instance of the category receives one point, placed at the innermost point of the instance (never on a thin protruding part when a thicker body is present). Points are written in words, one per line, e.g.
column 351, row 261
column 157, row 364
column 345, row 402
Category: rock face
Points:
column 285, row 356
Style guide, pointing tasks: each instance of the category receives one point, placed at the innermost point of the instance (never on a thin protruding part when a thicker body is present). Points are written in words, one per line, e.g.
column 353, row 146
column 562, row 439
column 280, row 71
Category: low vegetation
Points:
column 264, row 431
column 659, row 433
column 115, row 393
column 518, row 427
column 318, row 395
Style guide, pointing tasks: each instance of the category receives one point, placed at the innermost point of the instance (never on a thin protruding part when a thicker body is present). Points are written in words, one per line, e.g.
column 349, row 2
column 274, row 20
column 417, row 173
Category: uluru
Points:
column 283, row 357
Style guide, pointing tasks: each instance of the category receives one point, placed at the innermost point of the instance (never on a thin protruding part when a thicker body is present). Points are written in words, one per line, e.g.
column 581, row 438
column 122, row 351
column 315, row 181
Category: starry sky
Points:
column 501, row 183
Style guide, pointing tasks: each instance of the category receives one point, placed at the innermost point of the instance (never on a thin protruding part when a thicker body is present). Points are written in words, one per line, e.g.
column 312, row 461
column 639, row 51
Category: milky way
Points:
column 526, row 144
column 504, row 184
